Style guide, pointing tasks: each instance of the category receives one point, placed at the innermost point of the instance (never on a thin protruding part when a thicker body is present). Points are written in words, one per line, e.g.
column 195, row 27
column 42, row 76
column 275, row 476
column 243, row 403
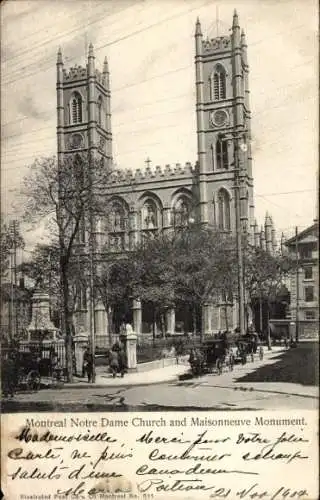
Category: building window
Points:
column 76, row 142
column 99, row 111
column 118, row 218
column 310, row 315
column 222, row 153
column 181, row 213
column 309, row 294
column 224, row 222
column 149, row 215
column 218, row 83
column 117, row 227
column 305, row 252
column 308, row 275
column 76, row 109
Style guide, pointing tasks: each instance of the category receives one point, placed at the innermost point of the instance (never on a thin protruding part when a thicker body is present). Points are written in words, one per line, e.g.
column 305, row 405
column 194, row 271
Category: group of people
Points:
column 117, row 360
column 116, row 357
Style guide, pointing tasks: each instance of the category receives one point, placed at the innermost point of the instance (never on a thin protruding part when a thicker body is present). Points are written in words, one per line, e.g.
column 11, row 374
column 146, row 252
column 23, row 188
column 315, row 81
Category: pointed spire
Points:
column 243, row 38
column 268, row 221
column 198, row 27
column 235, row 22
column 59, row 56
column 91, row 54
column 105, row 65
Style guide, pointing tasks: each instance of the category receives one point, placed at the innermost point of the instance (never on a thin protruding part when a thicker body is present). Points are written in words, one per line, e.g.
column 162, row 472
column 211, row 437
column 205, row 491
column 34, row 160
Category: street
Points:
column 285, row 379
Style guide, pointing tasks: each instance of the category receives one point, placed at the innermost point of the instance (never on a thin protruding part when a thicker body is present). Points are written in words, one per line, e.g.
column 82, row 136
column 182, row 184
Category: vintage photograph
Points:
column 159, row 217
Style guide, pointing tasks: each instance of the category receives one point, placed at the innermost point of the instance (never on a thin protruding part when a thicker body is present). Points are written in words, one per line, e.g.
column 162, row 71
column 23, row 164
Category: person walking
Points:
column 87, row 367
column 261, row 353
column 122, row 361
column 114, row 362
column 8, row 375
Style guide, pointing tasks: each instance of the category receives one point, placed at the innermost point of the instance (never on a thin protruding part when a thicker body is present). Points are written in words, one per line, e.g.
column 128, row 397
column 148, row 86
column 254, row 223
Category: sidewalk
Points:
column 229, row 380
column 105, row 379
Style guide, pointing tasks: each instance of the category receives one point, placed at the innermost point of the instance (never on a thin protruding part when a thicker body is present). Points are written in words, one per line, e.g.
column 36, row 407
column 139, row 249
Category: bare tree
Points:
column 70, row 196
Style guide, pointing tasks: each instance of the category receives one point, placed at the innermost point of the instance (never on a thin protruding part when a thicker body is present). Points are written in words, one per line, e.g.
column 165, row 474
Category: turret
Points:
column 236, row 29
column 106, row 81
column 60, row 106
column 237, row 69
column 91, row 100
column 198, row 28
column 256, row 234
column 106, row 72
column 203, row 201
column 273, row 236
column 268, row 236
column 262, row 239
column 244, row 48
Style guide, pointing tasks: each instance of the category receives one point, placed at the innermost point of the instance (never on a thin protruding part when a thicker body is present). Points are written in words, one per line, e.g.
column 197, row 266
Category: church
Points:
column 148, row 201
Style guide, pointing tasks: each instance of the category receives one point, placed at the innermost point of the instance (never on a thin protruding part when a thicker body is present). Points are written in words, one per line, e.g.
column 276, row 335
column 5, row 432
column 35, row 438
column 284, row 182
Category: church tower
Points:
column 223, row 129
column 83, row 109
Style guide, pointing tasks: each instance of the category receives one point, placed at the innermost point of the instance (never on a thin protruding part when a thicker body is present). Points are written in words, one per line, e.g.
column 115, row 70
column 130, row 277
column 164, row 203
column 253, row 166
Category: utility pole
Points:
column 241, row 296
column 92, row 299
column 297, row 286
column 16, row 308
column 14, row 322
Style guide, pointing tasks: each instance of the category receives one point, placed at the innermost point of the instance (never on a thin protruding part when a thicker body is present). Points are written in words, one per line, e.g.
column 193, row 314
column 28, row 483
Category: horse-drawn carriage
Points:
column 216, row 354
column 246, row 347
column 24, row 369
column 213, row 355
column 19, row 370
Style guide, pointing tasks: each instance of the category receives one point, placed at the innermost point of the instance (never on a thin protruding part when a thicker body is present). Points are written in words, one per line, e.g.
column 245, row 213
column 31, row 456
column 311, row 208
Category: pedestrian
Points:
column 8, row 375
column 261, row 353
column 87, row 368
column 114, row 362
column 231, row 359
column 122, row 361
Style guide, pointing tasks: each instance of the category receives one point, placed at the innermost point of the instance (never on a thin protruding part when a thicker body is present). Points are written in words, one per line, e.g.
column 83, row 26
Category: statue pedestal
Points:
column 129, row 339
column 41, row 326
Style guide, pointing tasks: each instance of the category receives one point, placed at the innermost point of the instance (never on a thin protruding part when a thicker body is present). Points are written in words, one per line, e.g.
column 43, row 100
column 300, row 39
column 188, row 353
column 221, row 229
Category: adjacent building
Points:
column 304, row 281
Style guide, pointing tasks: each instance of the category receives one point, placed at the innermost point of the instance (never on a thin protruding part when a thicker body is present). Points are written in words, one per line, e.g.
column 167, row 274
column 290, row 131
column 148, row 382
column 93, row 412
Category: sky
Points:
column 150, row 48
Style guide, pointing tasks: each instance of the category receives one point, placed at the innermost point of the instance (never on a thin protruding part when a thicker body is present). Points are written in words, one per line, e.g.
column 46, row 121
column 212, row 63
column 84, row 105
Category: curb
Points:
column 269, row 391
column 87, row 385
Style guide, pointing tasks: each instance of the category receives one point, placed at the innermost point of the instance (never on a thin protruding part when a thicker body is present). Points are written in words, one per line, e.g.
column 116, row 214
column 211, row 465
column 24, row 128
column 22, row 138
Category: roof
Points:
column 309, row 231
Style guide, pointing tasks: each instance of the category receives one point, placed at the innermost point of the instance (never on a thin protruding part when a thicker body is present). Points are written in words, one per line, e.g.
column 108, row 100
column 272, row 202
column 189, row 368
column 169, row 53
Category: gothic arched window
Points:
column 222, row 153
column 224, row 222
column 117, row 227
column 99, row 111
column 118, row 218
column 149, row 215
column 181, row 212
column 76, row 108
column 218, row 83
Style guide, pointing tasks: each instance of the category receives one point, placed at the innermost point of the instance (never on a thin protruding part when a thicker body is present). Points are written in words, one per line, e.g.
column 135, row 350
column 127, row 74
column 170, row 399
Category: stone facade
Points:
column 147, row 201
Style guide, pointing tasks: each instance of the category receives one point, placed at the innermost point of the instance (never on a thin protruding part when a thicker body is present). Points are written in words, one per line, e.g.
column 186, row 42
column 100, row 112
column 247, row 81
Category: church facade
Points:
column 145, row 202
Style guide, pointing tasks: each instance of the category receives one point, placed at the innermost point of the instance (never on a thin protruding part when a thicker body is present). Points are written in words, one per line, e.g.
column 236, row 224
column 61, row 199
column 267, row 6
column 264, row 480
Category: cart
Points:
column 213, row 356
column 20, row 370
